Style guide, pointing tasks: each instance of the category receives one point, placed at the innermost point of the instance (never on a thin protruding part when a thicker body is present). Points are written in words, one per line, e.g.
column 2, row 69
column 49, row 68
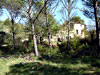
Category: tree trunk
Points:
column 34, row 40
column 49, row 38
column 39, row 39
column 48, row 26
column 68, row 39
column 97, row 24
column 39, row 35
column 33, row 30
column 13, row 34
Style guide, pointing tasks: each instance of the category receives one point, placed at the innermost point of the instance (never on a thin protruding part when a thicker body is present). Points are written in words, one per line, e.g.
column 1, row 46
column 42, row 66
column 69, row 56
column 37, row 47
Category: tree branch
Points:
column 40, row 12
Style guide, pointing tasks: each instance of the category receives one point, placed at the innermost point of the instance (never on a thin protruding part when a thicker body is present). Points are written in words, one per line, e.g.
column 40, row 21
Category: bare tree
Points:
column 68, row 6
column 48, row 26
column 32, row 25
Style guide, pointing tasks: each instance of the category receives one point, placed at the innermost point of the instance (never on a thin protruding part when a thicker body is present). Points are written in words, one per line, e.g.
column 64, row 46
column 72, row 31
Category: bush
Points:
column 62, row 46
column 75, row 43
column 79, row 47
column 43, row 50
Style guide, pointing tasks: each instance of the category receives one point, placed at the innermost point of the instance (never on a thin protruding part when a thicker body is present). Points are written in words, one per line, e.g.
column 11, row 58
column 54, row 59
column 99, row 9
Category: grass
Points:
column 5, row 64
column 51, row 62
column 77, row 66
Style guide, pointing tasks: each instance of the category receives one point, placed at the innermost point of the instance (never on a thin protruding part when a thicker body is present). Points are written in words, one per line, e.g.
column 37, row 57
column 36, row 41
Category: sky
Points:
column 77, row 13
column 58, row 16
column 5, row 15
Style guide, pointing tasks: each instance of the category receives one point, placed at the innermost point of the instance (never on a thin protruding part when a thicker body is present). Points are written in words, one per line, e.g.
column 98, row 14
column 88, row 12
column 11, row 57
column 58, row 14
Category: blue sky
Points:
column 5, row 15
column 77, row 13
column 58, row 15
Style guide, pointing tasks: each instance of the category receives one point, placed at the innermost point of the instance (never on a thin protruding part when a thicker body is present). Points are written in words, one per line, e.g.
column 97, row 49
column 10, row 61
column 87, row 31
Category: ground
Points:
column 49, row 65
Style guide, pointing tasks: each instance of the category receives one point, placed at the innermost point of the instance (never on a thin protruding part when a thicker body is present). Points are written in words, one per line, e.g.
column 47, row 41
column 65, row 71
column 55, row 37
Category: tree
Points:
column 13, row 7
column 68, row 6
column 53, row 24
column 48, row 4
column 93, row 13
column 32, row 19
column 77, row 19
column 48, row 25
column 32, row 25
column 5, row 27
column 7, row 22
column 40, row 23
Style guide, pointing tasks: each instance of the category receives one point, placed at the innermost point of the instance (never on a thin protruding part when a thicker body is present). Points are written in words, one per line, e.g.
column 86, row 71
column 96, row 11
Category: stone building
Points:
column 76, row 30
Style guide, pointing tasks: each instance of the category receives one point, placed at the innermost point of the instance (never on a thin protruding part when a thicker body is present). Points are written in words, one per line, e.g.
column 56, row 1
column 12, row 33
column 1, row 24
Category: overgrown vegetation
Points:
column 32, row 42
column 50, row 62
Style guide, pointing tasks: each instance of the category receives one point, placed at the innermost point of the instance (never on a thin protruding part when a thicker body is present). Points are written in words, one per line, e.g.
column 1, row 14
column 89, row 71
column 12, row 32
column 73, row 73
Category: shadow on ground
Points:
column 59, row 58
column 38, row 68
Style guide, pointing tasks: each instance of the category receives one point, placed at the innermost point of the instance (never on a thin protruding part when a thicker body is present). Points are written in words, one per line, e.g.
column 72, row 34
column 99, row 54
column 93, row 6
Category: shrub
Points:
column 79, row 47
column 75, row 43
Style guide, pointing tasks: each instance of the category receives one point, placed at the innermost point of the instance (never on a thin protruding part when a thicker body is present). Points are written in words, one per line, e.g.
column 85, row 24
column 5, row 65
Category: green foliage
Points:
column 21, row 49
column 7, row 29
column 7, row 22
column 53, row 61
column 75, row 43
column 19, row 31
column 79, row 47
column 12, row 6
column 6, row 39
column 1, row 53
column 44, row 50
column 54, row 28
column 6, row 4
column 92, row 34
column 88, row 6
column 77, row 19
